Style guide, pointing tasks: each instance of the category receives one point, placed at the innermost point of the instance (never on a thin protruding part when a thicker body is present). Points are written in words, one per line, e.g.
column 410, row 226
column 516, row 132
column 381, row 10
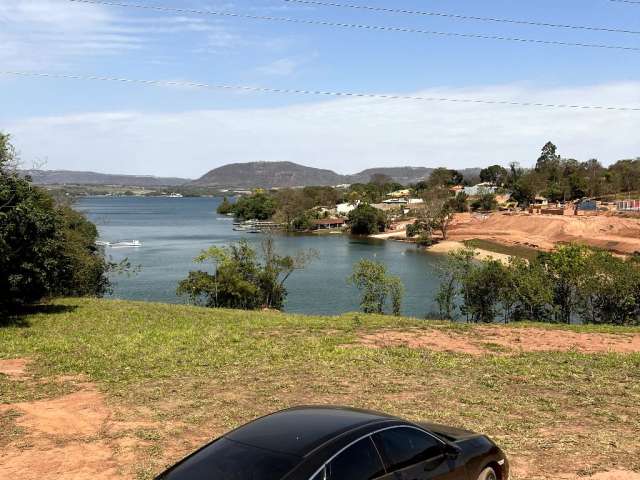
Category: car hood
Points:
column 452, row 434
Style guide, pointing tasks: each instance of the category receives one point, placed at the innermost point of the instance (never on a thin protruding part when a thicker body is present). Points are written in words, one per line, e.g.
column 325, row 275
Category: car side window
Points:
column 402, row 447
column 358, row 462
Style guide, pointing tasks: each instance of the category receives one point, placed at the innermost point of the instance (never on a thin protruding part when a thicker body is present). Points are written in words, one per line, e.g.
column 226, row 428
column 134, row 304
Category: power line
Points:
column 626, row 1
column 464, row 17
column 356, row 26
column 326, row 93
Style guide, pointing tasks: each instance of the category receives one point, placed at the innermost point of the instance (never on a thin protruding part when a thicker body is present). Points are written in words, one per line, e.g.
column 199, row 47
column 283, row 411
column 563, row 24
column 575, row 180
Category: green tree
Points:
column 486, row 202
column 225, row 207
column 495, row 174
column 258, row 206
column 444, row 177
column 376, row 285
column 45, row 249
column 367, row 220
column 240, row 280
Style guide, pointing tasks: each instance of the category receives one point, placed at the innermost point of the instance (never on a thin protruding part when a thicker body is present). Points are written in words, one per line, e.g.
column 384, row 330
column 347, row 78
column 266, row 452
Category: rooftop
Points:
column 300, row 430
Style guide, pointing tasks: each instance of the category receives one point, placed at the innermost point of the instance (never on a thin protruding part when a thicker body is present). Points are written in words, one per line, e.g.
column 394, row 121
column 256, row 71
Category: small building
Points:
column 396, row 201
column 328, row 223
column 346, row 208
column 480, row 189
column 628, row 206
column 399, row 193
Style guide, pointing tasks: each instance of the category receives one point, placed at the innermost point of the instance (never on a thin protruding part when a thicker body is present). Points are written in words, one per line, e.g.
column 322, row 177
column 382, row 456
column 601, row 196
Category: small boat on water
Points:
column 131, row 244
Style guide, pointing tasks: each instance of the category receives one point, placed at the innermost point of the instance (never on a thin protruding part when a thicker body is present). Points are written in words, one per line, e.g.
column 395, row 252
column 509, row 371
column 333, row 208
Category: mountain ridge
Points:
column 240, row 175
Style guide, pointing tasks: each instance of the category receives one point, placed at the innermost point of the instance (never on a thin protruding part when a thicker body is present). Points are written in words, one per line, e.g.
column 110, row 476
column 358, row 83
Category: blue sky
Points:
column 185, row 131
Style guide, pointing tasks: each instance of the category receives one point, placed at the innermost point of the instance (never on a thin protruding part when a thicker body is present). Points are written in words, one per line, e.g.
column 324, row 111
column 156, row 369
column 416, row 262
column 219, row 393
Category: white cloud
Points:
column 280, row 67
column 347, row 135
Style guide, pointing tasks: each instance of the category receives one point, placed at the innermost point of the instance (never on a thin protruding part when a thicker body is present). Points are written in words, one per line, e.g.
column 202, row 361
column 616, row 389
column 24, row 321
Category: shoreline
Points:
column 448, row 246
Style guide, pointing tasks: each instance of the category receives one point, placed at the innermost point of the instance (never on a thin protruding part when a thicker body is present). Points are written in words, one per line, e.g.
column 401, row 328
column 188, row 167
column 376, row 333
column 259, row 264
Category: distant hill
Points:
column 267, row 175
column 404, row 175
column 288, row 174
column 68, row 177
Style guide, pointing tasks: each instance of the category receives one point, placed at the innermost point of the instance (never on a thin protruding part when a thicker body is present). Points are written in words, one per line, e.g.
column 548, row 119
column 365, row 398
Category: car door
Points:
column 412, row 454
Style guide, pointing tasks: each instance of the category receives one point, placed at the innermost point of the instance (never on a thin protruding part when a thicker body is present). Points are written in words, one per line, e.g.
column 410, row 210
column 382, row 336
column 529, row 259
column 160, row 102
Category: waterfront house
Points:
column 328, row 223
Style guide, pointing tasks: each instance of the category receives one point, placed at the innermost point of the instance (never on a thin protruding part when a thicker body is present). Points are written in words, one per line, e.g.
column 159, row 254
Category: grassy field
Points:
column 177, row 376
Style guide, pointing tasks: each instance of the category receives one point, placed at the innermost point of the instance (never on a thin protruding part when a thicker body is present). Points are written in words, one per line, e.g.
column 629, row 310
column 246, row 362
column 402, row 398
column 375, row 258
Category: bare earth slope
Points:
column 621, row 235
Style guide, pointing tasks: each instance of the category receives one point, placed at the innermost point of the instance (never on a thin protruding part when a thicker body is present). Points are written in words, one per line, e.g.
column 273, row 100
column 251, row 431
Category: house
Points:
column 328, row 223
column 346, row 208
column 399, row 193
column 480, row 189
column 628, row 206
column 395, row 201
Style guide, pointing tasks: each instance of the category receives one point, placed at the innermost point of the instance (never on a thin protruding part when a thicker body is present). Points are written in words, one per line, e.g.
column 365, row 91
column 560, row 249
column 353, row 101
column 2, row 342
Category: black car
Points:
column 335, row 443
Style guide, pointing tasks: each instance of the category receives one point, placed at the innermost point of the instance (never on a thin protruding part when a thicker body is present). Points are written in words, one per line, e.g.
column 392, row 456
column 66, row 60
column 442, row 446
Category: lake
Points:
column 174, row 230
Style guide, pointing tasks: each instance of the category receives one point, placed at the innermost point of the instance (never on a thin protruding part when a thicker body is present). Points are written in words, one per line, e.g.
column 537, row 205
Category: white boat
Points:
column 102, row 243
column 131, row 244
column 176, row 195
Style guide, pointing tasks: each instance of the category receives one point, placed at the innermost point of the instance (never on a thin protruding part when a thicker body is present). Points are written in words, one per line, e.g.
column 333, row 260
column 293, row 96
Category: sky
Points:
column 184, row 131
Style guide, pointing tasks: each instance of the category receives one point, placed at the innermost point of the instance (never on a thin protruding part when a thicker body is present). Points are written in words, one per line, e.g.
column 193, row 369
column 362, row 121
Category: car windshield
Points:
column 229, row 460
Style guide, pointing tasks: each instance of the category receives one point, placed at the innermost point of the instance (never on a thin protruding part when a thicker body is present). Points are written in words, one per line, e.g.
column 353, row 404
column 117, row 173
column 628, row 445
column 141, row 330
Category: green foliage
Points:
column 45, row 249
column 571, row 283
column 225, row 207
column 459, row 203
column 486, row 202
column 444, row 177
column 495, row 174
column 258, row 206
column 240, row 279
column 376, row 285
column 367, row 220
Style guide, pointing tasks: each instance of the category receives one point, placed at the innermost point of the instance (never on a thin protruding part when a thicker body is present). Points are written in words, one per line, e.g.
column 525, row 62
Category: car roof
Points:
column 300, row 430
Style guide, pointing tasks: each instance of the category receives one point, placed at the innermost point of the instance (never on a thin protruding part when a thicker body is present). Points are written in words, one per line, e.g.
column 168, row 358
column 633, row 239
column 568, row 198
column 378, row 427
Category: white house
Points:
column 346, row 208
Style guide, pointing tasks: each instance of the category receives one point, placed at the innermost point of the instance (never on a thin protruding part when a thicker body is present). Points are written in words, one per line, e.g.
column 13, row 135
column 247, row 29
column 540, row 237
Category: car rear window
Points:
column 229, row 460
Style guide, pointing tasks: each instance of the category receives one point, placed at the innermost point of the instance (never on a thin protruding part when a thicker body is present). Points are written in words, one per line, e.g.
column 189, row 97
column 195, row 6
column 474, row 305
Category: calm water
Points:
column 174, row 230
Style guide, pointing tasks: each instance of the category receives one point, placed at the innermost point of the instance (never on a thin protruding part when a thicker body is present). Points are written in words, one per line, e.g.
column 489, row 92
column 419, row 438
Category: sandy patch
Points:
column 447, row 246
column 14, row 368
column 542, row 340
column 76, row 461
column 431, row 340
column 483, row 339
column 80, row 414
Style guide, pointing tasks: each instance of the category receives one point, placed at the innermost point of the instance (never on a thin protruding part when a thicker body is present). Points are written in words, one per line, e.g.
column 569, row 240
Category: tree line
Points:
column 573, row 283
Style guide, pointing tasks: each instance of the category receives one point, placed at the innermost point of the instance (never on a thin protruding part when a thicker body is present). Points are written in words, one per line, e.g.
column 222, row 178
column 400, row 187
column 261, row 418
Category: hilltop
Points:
column 70, row 177
column 289, row 174
column 267, row 175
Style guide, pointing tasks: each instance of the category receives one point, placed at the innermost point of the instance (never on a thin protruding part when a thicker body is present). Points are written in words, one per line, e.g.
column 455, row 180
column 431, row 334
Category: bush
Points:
column 376, row 285
column 367, row 220
column 240, row 279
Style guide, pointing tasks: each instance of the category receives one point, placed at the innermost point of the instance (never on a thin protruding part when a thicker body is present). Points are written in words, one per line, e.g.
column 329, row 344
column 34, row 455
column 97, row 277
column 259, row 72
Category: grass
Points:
column 513, row 250
column 196, row 372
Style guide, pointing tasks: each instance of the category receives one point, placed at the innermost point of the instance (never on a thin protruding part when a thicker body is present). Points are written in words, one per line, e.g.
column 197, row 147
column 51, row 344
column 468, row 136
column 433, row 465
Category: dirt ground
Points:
column 84, row 435
column 490, row 339
column 620, row 235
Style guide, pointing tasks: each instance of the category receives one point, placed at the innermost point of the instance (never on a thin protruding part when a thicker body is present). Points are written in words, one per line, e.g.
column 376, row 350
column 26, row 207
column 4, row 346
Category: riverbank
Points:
column 448, row 246
column 84, row 395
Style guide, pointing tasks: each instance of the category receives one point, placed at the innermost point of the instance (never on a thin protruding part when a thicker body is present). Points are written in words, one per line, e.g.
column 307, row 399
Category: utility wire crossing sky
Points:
column 172, row 88
column 359, row 26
